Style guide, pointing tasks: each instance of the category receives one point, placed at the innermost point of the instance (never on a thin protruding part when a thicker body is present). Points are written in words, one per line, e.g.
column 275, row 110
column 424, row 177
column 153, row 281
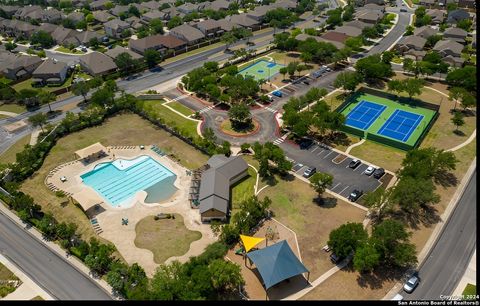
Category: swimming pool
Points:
column 120, row 180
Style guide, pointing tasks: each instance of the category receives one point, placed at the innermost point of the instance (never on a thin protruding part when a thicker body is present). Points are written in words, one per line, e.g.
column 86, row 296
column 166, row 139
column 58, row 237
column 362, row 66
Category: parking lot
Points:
column 345, row 179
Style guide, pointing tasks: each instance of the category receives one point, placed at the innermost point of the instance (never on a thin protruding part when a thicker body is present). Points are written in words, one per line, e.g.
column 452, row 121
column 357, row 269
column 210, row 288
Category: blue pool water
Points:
column 120, row 180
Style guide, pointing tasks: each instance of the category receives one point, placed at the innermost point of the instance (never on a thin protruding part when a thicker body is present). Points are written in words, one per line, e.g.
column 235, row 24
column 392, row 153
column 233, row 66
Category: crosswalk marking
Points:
column 206, row 109
column 180, row 97
column 270, row 109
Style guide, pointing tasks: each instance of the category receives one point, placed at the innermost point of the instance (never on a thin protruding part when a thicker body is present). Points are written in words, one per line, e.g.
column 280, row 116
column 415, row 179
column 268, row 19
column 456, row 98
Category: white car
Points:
column 411, row 284
column 369, row 171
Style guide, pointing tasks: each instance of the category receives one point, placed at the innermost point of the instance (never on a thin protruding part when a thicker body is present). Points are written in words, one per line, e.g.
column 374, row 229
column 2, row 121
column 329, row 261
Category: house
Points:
column 457, row 15
column 157, row 42
column 215, row 183
column 151, row 5
column 437, row 15
column 467, row 3
column 97, row 63
column 414, row 54
column 349, row 31
column 217, row 5
column 115, row 27
column 425, row 32
column 209, row 27
column 244, row 21
column 374, row 7
column 357, row 24
column 84, row 37
column 76, row 17
column 118, row 10
column 304, row 37
column 226, row 25
column 454, row 61
column 147, row 17
column 448, row 47
column 17, row 28
column 455, row 34
column 411, row 42
column 172, row 12
column 20, row 67
column 113, row 53
column 24, row 11
column 98, row 5
column 50, row 71
column 188, row 8
column 370, row 17
column 335, row 36
column 188, row 34
column 9, row 10
column 47, row 27
column 61, row 34
column 285, row 4
column 135, row 22
column 427, row 3
column 102, row 16
column 259, row 12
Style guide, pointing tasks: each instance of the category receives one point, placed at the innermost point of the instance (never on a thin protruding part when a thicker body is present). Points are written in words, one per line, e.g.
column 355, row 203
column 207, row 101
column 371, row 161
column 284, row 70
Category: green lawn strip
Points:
column 385, row 115
column 193, row 52
column 13, row 108
column 66, row 50
column 179, row 107
column 173, row 119
column 10, row 155
column 27, row 84
column 470, row 291
column 244, row 189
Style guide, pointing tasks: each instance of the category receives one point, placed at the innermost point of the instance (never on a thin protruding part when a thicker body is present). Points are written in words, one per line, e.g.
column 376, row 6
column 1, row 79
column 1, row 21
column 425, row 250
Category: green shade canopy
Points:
column 276, row 263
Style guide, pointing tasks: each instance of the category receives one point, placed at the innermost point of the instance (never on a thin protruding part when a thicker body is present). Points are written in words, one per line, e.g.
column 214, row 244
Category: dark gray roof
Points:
column 457, row 15
column 231, row 167
column 215, row 203
column 113, row 53
column 214, row 183
column 50, row 66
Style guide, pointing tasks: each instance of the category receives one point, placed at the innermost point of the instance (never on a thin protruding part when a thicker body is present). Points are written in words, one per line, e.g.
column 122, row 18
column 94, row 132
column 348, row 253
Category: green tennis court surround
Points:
column 387, row 119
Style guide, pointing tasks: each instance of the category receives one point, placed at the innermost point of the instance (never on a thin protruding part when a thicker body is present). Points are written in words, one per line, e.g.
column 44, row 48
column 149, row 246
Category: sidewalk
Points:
column 28, row 289
column 470, row 276
column 75, row 262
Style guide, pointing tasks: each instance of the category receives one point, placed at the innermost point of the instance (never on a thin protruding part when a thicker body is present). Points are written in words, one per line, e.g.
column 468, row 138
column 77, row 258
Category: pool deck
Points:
column 110, row 218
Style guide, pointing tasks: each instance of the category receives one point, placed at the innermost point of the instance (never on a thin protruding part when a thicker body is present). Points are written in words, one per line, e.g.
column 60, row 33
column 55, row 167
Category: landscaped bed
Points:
column 164, row 237
column 128, row 129
column 7, row 276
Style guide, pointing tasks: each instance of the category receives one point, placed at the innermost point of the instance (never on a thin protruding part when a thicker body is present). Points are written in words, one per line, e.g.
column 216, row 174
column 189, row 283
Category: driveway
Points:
column 345, row 179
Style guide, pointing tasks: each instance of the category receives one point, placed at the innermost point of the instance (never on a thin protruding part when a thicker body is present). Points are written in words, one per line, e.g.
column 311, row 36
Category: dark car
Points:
column 306, row 82
column 334, row 258
column 403, row 10
column 354, row 163
column 355, row 194
column 309, row 172
column 305, row 144
column 378, row 173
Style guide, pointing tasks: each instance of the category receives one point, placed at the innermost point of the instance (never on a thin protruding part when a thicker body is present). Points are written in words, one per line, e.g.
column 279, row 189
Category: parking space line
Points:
column 328, row 154
column 320, row 152
column 343, row 190
column 316, row 147
column 335, row 186
column 356, row 168
column 299, row 170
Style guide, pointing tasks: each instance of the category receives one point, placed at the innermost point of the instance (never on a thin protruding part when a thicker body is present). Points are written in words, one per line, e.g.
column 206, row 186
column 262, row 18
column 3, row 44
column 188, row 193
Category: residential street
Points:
column 449, row 258
column 60, row 279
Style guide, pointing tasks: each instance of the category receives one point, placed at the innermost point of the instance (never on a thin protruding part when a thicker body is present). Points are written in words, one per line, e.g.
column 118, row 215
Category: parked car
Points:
column 270, row 98
column 277, row 93
column 309, row 172
column 411, row 283
column 355, row 194
column 305, row 144
column 403, row 10
column 369, row 171
column 378, row 173
column 84, row 49
column 354, row 163
column 306, row 82
column 334, row 258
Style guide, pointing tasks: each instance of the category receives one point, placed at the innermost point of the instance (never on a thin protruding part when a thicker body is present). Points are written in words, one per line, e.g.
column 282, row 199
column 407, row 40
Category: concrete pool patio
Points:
column 109, row 218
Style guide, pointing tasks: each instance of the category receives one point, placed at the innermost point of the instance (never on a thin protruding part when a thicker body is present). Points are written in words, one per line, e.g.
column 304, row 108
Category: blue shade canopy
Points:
column 276, row 263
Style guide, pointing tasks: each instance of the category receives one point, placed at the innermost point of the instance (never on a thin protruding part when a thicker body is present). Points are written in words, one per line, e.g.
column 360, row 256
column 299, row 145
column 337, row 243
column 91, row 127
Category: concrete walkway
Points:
column 28, row 289
column 34, row 137
column 8, row 114
column 354, row 145
column 468, row 141
column 470, row 276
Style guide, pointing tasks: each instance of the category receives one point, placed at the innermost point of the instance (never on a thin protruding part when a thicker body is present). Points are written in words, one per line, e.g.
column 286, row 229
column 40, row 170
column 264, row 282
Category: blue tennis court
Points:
column 364, row 114
column 400, row 125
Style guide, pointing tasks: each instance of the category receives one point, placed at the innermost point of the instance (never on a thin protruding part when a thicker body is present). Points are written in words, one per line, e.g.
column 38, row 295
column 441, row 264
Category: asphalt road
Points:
column 448, row 259
column 60, row 279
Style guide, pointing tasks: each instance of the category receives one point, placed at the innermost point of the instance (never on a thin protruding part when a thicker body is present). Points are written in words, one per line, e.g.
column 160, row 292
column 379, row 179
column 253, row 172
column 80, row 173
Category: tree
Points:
column 157, row 25
column 225, row 275
column 348, row 80
column 392, row 240
column 152, row 57
column 387, row 56
column 45, row 97
column 320, row 182
column 103, row 96
column 412, row 87
column 81, row 88
column 42, row 38
column 427, row 163
column 465, row 24
column 270, row 152
column 457, row 120
column 345, row 239
column 175, row 21
column 283, row 71
column 373, row 68
column 228, row 38
column 126, row 63
column 414, row 193
column 239, row 115
column 366, row 257
column 334, row 17
column 10, row 46
column 39, row 119
column 379, row 201
column 465, row 77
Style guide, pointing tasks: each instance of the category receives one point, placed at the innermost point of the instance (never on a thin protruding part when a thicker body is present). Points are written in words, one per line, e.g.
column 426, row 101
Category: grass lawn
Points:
column 193, row 52
column 27, row 84
column 397, row 60
column 127, row 129
column 10, row 155
column 4, row 116
column 171, row 118
column 6, row 275
column 164, row 237
column 13, row 108
column 243, row 189
column 293, row 204
column 335, row 100
column 380, row 155
column 470, row 290
column 66, row 50
column 179, row 107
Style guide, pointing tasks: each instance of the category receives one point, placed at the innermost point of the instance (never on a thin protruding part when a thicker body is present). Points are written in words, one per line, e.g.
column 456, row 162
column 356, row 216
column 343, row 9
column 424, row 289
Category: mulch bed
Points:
column 340, row 158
